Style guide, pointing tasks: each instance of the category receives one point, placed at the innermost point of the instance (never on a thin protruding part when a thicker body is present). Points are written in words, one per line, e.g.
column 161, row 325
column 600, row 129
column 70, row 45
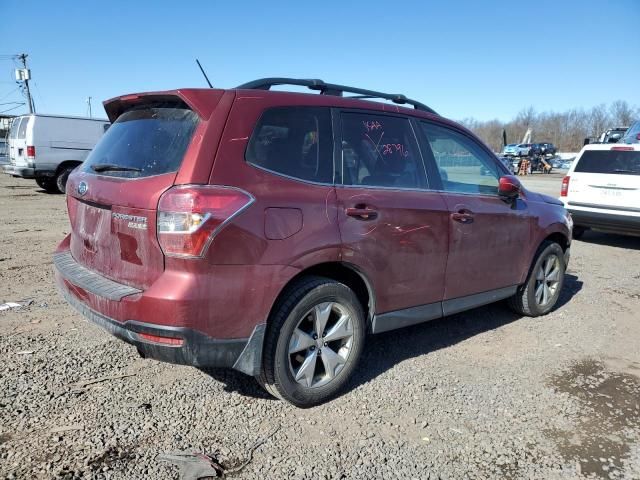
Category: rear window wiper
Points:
column 110, row 167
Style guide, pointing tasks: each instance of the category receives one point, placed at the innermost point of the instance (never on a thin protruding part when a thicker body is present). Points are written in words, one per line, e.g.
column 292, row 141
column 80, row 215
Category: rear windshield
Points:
column 144, row 141
column 617, row 162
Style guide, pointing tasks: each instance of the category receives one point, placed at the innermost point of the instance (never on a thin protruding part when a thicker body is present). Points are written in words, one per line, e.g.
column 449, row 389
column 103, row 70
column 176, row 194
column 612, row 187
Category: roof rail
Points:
column 333, row 89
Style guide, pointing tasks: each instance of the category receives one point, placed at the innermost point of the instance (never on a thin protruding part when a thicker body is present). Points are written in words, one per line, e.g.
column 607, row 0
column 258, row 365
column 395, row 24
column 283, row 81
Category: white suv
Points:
column 602, row 189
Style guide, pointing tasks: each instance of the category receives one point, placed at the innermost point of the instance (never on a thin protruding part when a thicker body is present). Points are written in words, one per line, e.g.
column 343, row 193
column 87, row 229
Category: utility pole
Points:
column 89, row 104
column 23, row 58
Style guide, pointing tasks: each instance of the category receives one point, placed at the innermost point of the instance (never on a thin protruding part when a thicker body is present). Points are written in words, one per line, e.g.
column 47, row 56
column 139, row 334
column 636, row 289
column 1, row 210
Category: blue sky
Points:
column 482, row 59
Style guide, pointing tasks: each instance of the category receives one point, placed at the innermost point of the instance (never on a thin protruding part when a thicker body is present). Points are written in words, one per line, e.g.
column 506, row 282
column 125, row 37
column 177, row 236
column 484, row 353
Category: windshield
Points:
column 616, row 162
column 144, row 141
column 633, row 134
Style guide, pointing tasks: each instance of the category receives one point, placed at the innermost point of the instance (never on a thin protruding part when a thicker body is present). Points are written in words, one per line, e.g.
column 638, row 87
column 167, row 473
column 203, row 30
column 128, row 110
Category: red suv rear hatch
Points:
column 113, row 197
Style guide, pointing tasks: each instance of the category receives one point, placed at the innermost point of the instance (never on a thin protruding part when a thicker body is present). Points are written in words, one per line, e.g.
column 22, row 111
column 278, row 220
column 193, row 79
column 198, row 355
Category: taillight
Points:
column 190, row 216
column 623, row 149
column 565, row 187
column 31, row 151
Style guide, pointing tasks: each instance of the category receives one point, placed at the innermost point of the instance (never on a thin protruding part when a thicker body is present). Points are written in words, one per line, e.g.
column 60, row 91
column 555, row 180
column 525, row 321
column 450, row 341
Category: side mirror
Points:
column 509, row 187
column 586, row 141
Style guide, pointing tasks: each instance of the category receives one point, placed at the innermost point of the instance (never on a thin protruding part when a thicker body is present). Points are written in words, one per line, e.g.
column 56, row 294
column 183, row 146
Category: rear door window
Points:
column 294, row 141
column 616, row 162
column 380, row 151
column 15, row 126
column 464, row 166
column 144, row 141
column 22, row 129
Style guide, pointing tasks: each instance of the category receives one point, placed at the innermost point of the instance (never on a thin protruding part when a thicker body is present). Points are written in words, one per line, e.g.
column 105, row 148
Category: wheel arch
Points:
column 250, row 360
column 559, row 238
column 343, row 272
column 555, row 233
column 67, row 163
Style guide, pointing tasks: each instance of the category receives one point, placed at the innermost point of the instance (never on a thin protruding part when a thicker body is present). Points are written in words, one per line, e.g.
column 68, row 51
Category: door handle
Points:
column 361, row 213
column 462, row 216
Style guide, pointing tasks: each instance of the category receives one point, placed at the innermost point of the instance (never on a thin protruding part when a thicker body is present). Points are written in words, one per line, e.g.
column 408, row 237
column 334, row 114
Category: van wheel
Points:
column 62, row 177
column 47, row 184
column 578, row 232
column 539, row 294
column 313, row 343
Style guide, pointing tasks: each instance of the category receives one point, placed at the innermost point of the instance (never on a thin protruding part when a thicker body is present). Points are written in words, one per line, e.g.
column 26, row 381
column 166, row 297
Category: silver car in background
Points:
column 510, row 150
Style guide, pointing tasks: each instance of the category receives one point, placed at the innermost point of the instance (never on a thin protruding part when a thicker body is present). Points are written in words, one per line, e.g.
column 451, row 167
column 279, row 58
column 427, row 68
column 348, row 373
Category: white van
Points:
column 602, row 189
column 49, row 147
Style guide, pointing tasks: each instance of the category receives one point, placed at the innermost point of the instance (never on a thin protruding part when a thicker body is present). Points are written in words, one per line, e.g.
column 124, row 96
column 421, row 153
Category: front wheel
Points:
column 578, row 232
column 540, row 293
column 314, row 341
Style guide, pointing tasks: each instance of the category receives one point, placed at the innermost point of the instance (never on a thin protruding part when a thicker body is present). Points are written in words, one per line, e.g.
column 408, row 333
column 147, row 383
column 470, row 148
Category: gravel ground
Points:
column 483, row 394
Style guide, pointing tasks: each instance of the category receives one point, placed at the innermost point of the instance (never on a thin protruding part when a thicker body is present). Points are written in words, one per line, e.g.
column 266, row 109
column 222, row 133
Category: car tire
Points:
column 578, row 232
column 62, row 177
column 540, row 293
column 48, row 184
column 315, row 315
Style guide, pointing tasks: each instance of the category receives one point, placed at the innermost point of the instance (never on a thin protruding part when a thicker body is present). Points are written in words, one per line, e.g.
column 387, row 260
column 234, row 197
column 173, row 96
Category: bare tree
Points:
column 622, row 114
column 567, row 130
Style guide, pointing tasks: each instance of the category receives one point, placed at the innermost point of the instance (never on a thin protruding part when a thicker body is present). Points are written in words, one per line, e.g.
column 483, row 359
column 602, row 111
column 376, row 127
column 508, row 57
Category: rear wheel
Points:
column 539, row 294
column 578, row 232
column 62, row 177
column 48, row 184
column 313, row 342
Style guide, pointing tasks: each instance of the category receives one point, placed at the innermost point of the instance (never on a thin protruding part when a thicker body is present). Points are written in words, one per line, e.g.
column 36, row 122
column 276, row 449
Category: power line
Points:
column 10, row 93
column 13, row 108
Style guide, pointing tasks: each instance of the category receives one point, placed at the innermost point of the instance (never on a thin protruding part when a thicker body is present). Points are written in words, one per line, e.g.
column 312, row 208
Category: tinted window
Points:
column 296, row 142
column 380, row 151
column 152, row 139
column 464, row 166
column 609, row 161
column 22, row 129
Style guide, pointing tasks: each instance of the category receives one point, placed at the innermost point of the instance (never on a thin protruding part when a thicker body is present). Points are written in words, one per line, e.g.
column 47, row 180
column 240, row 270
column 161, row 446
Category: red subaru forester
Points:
column 270, row 231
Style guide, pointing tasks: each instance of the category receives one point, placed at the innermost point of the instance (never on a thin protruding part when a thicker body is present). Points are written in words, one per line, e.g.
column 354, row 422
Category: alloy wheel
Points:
column 321, row 344
column 547, row 280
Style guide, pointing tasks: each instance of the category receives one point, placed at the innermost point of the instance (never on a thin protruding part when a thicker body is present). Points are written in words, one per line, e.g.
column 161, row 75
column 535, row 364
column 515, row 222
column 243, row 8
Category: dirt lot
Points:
column 484, row 394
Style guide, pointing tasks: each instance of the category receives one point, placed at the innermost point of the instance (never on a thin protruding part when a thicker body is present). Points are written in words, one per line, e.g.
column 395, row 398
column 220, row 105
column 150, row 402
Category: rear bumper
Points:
column 84, row 289
column 197, row 349
column 24, row 172
column 610, row 222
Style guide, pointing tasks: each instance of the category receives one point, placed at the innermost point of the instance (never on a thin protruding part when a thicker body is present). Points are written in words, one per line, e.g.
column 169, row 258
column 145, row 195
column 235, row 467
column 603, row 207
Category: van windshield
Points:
column 616, row 162
column 632, row 135
column 144, row 141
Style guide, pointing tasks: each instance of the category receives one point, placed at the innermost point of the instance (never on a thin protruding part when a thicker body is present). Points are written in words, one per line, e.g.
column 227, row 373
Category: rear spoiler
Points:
column 200, row 100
